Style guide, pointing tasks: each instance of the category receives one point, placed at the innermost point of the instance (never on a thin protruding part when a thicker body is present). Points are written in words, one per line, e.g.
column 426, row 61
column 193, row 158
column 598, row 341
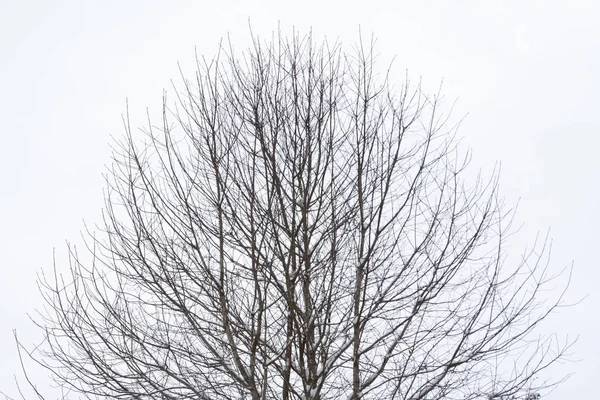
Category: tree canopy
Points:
column 298, row 227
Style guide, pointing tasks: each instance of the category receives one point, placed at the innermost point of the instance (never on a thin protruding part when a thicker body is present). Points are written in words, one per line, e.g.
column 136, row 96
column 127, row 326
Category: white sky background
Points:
column 527, row 72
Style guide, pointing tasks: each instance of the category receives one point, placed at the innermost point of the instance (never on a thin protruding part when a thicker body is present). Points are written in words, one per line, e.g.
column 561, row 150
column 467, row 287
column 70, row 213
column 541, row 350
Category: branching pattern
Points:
column 296, row 228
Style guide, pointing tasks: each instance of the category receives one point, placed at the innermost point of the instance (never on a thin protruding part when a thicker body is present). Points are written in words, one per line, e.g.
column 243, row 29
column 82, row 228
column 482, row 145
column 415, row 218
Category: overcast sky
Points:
column 526, row 72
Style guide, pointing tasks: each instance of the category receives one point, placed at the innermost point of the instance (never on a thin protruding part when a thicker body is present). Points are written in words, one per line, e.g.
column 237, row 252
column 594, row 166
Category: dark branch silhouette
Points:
column 297, row 228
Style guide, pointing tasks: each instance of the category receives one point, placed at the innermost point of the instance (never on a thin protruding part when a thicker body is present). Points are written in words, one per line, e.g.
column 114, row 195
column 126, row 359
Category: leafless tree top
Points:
column 298, row 228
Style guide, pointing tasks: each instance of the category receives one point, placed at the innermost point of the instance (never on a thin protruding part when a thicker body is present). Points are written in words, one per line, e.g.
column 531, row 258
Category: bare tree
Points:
column 298, row 228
